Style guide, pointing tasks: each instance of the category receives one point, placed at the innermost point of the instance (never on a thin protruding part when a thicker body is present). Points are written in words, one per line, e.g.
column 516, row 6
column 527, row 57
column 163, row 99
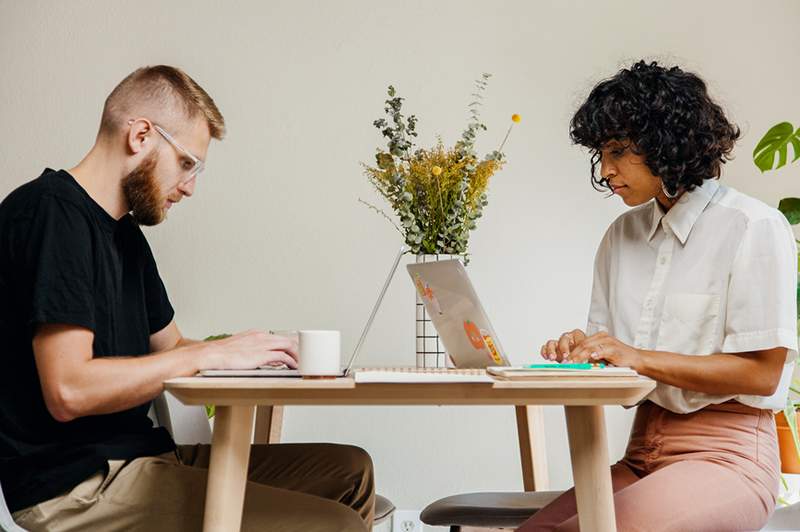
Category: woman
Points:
column 695, row 288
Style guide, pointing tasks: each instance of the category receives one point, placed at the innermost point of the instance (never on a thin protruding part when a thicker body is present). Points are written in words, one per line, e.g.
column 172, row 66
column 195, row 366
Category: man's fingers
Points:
column 282, row 343
column 281, row 356
column 290, row 347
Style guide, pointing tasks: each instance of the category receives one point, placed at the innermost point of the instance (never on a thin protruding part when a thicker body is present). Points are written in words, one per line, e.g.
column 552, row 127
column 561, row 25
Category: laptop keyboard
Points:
column 424, row 371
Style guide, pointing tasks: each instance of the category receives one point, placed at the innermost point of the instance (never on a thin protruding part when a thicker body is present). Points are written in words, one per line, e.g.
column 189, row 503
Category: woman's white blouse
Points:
column 716, row 274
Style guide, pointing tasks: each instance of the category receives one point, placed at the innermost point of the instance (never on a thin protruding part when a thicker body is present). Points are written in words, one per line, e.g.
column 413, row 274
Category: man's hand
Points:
column 250, row 349
column 76, row 384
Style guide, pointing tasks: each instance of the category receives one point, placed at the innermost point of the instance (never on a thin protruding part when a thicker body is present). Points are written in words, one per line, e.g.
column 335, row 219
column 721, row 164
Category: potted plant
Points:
column 787, row 423
column 437, row 195
column 771, row 153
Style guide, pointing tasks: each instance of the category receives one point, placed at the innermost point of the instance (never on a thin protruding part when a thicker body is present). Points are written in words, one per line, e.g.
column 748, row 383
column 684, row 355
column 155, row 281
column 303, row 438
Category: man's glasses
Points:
column 191, row 169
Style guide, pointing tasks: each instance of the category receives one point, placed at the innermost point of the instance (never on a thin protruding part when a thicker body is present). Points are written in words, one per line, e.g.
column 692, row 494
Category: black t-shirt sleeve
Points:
column 58, row 257
column 159, row 309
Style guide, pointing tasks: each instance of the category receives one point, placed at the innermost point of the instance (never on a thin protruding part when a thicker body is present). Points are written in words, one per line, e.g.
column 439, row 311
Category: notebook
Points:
column 546, row 371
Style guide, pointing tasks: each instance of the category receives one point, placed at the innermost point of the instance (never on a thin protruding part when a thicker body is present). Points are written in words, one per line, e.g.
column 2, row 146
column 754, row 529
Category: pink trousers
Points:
column 717, row 469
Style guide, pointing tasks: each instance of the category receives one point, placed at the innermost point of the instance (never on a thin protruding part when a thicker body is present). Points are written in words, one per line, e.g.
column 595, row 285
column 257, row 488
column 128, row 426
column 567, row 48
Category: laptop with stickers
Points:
column 456, row 312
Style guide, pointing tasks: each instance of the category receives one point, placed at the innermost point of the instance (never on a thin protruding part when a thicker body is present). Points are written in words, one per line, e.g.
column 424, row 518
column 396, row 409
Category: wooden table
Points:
column 236, row 400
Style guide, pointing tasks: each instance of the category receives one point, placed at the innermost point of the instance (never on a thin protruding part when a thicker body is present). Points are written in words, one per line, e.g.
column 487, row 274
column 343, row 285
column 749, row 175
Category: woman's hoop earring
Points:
column 666, row 192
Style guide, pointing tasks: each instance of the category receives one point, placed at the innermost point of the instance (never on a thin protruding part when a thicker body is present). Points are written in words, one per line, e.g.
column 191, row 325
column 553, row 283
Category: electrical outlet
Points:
column 406, row 521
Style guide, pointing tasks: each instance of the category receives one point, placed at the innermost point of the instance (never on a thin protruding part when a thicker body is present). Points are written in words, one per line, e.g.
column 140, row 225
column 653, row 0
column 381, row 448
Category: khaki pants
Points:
column 714, row 470
column 291, row 487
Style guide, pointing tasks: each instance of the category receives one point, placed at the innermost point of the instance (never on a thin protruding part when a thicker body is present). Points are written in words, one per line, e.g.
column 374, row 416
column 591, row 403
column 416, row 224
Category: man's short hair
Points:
column 165, row 92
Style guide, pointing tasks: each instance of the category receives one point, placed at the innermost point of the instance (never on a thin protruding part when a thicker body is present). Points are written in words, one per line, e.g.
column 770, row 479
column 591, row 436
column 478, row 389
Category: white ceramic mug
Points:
column 320, row 354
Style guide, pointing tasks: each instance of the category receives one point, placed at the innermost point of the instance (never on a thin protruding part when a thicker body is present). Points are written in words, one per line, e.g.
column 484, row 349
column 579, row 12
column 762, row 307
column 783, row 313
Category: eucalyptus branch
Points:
column 380, row 211
column 436, row 194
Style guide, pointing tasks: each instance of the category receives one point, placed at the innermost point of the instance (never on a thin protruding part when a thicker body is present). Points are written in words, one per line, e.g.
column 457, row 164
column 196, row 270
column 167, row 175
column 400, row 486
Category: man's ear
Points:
column 138, row 134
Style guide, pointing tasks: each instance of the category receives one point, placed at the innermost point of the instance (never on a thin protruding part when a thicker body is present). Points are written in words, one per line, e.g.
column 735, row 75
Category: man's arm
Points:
column 75, row 384
column 168, row 338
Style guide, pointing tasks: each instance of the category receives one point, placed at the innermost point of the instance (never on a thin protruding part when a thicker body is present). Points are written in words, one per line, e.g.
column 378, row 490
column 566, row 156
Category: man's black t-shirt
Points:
column 63, row 259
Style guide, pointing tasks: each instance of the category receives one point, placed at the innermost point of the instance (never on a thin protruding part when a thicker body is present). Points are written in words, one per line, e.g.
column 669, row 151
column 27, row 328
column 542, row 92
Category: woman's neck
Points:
column 666, row 202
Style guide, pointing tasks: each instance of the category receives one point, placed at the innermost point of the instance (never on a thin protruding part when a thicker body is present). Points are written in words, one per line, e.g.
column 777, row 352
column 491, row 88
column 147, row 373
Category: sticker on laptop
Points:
column 426, row 292
column 481, row 339
column 474, row 335
column 494, row 354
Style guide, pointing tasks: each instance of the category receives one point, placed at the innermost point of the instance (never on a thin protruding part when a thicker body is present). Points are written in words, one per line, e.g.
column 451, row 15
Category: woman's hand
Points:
column 559, row 350
column 602, row 347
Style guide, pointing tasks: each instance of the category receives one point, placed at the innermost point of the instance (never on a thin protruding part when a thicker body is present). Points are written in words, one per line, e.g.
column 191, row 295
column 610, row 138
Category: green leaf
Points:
column 777, row 141
column 790, row 207
column 216, row 337
column 210, row 411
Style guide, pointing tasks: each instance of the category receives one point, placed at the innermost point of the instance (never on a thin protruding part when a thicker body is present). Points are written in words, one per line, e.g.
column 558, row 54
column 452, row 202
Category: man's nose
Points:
column 187, row 187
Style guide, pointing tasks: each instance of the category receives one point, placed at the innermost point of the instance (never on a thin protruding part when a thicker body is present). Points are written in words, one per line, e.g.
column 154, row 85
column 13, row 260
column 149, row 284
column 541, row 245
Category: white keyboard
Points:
column 420, row 375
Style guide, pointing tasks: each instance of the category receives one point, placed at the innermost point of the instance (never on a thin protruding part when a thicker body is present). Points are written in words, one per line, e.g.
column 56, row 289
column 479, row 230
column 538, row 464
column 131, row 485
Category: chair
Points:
column 785, row 518
column 7, row 523
column 510, row 510
column 486, row 510
column 496, row 510
column 189, row 424
column 503, row 509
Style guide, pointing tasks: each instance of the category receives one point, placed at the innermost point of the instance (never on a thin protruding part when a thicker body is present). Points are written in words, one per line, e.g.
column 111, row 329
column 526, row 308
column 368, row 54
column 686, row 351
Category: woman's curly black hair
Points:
column 666, row 115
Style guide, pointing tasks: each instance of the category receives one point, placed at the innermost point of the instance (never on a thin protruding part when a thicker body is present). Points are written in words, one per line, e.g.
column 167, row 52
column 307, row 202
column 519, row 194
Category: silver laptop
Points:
column 457, row 313
column 282, row 371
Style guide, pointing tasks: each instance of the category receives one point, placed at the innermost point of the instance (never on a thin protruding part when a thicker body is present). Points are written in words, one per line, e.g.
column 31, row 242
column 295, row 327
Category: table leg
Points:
column 227, row 470
column 588, row 449
column 530, row 431
column 269, row 424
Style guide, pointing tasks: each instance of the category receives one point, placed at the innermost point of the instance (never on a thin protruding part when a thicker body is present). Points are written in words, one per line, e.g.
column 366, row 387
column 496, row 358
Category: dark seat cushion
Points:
column 492, row 509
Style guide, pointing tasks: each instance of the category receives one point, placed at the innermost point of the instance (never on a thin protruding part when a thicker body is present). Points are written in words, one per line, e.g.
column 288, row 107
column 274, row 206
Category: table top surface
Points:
column 286, row 391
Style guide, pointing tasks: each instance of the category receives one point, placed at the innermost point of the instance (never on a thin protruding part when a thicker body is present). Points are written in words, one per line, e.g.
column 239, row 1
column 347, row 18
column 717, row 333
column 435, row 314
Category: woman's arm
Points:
column 753, row 373
column 756, row 373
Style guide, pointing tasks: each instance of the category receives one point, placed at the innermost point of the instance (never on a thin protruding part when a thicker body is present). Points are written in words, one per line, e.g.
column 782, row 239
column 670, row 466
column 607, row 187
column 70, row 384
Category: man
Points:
column 90, row 336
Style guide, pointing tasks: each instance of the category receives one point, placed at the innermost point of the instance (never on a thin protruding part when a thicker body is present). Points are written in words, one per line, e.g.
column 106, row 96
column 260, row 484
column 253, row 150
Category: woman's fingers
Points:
column 552, row 354
column 578, row 335
column 593, row 344
column 560, row 350
column 565, row 344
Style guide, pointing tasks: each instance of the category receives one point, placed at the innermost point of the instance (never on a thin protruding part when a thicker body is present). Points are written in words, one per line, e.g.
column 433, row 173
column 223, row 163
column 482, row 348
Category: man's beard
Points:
column 142, row 193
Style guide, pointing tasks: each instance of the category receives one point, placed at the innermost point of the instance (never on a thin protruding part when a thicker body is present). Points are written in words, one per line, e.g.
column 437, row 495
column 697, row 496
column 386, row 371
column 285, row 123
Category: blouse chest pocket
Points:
column 688, row 323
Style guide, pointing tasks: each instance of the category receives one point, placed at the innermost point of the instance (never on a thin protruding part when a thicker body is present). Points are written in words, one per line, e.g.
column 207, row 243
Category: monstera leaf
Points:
column 790, row 207
column 777, row 140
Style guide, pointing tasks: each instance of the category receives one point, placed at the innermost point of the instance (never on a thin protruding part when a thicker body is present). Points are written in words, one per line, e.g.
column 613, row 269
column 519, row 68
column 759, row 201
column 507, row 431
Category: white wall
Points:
column 274, row 236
